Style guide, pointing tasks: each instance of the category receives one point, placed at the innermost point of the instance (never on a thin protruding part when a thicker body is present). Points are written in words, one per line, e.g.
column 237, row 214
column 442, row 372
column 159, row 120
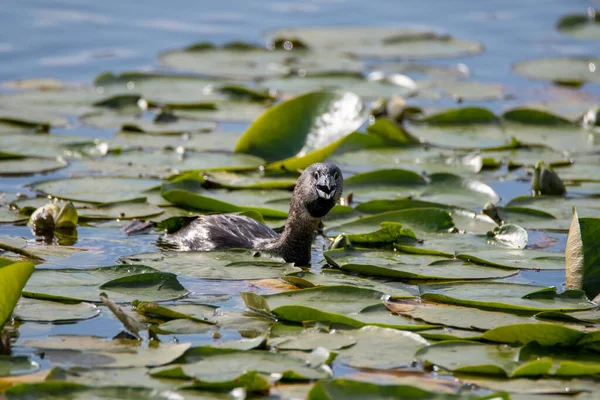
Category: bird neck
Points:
column 294, row 244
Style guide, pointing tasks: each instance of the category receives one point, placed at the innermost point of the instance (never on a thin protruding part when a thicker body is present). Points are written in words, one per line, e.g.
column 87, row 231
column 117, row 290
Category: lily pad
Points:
column 472, row 357
column 475, row 249
column 123, row 283
column 418, row 219
column 93, row 189
column 253, row 62
column 139, row 124
column 13, row 276
column 161, row 88
column 54, row 312
column 354, row 83
column 455, row 316
column 191, row 195
column 581, row 26
column 9, row 216
column 304, row 123
column 506, row 296
column 381, row 348
column 225, row 366
column 228, row 265
column 393, row 265
column 30, row 165
column 16, row 365
column 164, row 163
column 571, row 70
column 306, row 340
column 326, row 300
column 97, row 353
column 380, row 42
column 333, row 277
column 43, row 145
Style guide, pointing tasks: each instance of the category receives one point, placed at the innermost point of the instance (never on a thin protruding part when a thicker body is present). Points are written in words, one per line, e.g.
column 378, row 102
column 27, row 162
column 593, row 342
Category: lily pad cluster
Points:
column 444, row 272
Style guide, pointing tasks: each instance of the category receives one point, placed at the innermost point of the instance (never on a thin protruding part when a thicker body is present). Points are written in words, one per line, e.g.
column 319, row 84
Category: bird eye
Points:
column 335, row 175
column 316, row 175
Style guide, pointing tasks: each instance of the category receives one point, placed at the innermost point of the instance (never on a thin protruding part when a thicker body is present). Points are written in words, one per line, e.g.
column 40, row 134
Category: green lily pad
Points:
column 164, row 163
column 137, row 208
column 42, row 145
column 305, row 340
column 358, row 389
column 220, row 141
column 384, row 183
column 560, row 207
column 16, row 365
column 572, row 70
column 30, row 166
column 96, row 189
column 98, row 353
column 13, row 276
column 191, row 195
column 233, row 180
column 50, row 105
column 418, row 219
column 136, row 123
column 390, row 232
column 123, row 283
column 381, row 348
column 543, row 333
column 473, row 357
column 333, row 277
column 230, row 111
column 459, row 90
column 455, row 316
column 253, row 62
column 505, row 296
column 462, row 136
column 394, row 265
column 347, row 305
column 459, row 116
column 378, row 42
column 9, row 216
column 414, row 158
column 535, row 116
column 476, row 249
column 161, row 88
column 327, row 300
column 304, row 123
column 54, row 312
column 225, row 366
column 354, row 83
column 228, row 265
column 581, row 26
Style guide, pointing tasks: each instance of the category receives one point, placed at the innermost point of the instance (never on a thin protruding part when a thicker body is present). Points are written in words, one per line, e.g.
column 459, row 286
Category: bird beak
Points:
column 326, row 187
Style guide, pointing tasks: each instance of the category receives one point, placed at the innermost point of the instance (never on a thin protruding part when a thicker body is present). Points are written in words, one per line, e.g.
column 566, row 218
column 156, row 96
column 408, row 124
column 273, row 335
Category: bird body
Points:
column 316, row 192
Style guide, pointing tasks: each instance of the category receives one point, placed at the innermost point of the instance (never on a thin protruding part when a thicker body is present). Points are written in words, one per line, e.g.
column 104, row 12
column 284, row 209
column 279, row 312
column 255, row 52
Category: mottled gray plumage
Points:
column 317, row 190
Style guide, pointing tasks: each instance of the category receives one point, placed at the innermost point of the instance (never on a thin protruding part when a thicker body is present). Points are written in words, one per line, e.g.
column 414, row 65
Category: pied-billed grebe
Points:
column 317, row 190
